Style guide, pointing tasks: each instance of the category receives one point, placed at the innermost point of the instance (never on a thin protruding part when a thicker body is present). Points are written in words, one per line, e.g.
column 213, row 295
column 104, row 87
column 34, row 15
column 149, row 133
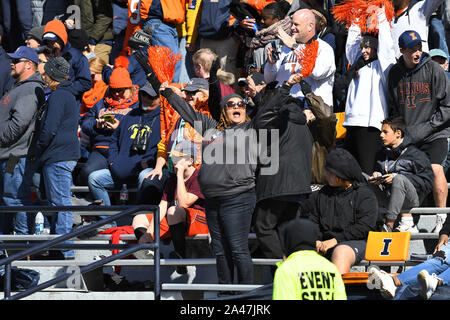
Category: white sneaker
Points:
column 387, row 284
column 440, row 219
column 144, row 254
column 428, row 284
column 407, row 228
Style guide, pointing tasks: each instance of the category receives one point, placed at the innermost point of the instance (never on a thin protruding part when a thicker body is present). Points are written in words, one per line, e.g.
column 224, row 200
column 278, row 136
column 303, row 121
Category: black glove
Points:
column 148, row 69
column 306, row 88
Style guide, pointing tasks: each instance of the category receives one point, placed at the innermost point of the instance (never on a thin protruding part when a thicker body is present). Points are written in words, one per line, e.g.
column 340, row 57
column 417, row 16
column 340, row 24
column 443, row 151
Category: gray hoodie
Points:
column 19, row 107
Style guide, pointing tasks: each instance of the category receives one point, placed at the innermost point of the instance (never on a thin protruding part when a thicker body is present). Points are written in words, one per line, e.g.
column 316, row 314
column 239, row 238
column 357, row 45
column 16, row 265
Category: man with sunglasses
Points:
column 19, row 107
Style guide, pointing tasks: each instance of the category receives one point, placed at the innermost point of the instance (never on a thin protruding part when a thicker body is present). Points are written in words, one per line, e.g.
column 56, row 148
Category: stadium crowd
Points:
column 234, row 116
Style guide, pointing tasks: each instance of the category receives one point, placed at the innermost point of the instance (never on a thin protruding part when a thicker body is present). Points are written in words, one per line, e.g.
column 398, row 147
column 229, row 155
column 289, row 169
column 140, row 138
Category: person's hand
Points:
column 157, row 172
column 70, row 23
column 112, row 126
column 377, row 181
column 190, row 47
column 164, row 86
column 243, row 1
column 269, row 51
column 100, row 123
column 309, row 115
column 327, row 244
column 318, row 246
column 250, row 88
column 247, row 24
column 388, row 178
column 288, row 41
column 180, row 167
column 443, row 240
column 294, row 79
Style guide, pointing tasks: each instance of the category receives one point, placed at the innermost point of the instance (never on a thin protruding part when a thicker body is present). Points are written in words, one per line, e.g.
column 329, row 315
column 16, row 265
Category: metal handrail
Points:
column 125, row 210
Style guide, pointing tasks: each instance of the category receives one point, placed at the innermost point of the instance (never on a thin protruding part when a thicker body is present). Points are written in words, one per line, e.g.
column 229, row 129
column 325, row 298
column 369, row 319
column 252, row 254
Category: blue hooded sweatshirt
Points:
column 125, row 164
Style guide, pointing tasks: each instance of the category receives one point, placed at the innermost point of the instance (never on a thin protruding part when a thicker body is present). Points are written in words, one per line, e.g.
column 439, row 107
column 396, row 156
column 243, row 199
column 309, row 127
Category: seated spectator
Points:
column 99, row 87
column 182, row 210
column 430, row 274
column 439, row 56
column 402, row 174
column 300, row 262
column 57, row 148
column 345, row 210
column 55, row 37
column 132, row 152
column 104, row 117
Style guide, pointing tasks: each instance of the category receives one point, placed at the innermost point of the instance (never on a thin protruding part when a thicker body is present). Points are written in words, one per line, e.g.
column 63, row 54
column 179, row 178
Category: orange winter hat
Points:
column 120, row 77
column 53, row 29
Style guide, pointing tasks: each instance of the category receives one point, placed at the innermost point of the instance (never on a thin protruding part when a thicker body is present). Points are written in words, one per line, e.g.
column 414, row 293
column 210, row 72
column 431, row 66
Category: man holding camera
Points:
column 132, row 152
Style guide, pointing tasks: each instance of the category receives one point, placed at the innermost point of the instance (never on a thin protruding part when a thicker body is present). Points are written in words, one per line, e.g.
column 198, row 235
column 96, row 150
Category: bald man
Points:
column 302, row 32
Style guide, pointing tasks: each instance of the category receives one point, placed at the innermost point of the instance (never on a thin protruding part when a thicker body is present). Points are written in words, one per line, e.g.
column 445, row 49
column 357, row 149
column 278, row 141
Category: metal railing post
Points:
column 7, row 281
column 157, row 256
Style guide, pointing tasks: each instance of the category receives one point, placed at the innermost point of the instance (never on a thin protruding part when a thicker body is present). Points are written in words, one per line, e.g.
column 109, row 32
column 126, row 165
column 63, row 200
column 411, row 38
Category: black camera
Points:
column 141, row 141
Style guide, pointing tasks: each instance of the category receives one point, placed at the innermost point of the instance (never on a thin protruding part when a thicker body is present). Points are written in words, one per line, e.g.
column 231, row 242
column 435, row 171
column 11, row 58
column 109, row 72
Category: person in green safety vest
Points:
column 304, row 274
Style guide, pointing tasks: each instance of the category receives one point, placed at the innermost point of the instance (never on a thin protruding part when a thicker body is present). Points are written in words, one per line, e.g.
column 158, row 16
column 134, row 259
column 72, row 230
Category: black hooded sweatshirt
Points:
column 343, row 214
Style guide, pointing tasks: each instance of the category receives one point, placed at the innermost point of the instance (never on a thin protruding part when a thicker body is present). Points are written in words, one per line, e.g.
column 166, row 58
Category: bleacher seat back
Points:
column 387, row 246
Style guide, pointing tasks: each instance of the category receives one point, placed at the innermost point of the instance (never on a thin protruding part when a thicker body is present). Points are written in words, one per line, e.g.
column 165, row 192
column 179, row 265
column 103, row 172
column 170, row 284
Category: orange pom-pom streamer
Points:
column 362, row 13
column 163, row 62
column 307, row 58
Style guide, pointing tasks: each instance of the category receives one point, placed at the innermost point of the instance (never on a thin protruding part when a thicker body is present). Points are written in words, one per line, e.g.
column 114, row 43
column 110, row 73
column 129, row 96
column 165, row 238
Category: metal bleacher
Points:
column 199, row 283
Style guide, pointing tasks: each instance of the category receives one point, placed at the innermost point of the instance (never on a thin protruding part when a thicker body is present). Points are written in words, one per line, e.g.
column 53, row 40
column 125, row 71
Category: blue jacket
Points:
column 125, row 164
column 102, row 137
column 79, row 73
column 6, row 81
column 16, row 18
column 215, row 17
column 58, row 127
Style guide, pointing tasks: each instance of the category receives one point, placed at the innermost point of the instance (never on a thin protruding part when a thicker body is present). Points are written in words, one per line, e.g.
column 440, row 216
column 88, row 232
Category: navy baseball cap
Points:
column 409, row 39
column 24, row 52
column 148, row 89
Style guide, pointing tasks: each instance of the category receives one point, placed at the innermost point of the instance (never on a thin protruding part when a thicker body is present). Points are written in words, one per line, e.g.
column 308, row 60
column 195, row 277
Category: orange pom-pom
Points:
column 163, row 62
column 307, row 58
column 121, row 62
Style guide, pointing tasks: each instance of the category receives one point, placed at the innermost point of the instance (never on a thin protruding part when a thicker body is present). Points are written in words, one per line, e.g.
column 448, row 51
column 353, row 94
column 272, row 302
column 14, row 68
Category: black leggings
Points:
column 363, row 143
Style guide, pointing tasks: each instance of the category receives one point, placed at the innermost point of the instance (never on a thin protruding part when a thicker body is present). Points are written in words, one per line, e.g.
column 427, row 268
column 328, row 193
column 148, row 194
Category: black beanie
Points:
column 340, row 162
column 228, row 97
column 57, row 69
column 78, row 38
column 298, row 234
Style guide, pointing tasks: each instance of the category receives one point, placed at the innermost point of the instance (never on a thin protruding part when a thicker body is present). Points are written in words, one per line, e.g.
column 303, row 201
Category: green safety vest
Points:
column 306, row 275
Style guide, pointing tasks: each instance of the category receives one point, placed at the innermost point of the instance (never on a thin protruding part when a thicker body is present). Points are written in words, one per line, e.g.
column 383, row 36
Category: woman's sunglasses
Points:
column 232, row 104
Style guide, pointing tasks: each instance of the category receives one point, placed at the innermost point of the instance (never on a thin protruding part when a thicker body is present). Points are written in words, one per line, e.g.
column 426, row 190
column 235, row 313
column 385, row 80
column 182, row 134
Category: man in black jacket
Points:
column 279, row 194
column 419, row 92
column 402, row 174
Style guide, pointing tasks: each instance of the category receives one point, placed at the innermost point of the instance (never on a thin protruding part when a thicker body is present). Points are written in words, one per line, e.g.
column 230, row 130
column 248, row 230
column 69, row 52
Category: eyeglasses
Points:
column 240, row 104
column 16, row 61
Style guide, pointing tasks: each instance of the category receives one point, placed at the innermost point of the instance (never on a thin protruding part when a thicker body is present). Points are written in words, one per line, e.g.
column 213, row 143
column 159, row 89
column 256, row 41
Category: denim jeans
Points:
column 15, row 191
column 165, row 35
column 438, row 266
column 437, row 35
column 229, row 219
column 58, row 180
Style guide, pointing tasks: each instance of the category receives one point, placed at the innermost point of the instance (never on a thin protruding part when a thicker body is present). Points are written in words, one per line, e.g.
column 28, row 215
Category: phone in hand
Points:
column 377, row 178
column 275, row 55
column 109, row 118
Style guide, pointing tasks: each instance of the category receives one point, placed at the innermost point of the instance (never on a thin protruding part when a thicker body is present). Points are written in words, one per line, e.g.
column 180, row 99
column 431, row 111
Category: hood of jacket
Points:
column 298, row 234
column 344, row 165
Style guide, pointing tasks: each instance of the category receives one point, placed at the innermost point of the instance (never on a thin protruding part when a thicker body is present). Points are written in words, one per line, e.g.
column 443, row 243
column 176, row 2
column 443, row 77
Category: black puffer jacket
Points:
column 409, row 161
column 283, row 114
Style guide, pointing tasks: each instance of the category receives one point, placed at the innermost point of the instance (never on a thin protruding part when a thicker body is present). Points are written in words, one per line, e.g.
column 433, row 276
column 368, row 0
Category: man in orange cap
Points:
column 55, row 37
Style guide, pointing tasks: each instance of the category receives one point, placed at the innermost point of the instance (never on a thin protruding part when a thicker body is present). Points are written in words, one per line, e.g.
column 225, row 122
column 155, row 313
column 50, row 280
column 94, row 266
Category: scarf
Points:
column 123, row 103
column 264, row 36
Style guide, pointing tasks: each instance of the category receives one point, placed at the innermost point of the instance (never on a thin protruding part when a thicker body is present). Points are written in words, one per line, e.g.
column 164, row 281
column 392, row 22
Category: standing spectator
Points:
column 418, row 90
column 18, row 115
column 302, row 34
column 301, row 262
column 55, row 37
column 366, row 104
column 132, row 151
column 345, row 210
column 96, row 20
column 439, row 56
column 104, row 118
column 58, row 148
column 279, row 193
column 402, row 176
column 163, row 16
column 16, row 19
column 6, row 80
column 412, row 15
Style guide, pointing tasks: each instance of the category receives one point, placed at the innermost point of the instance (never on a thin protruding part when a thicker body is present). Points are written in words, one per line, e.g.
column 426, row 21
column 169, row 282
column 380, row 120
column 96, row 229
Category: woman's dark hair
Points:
column 396, row 123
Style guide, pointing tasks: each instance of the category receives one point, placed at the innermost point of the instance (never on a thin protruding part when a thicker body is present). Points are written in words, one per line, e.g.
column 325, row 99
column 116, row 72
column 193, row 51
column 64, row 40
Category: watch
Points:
column 294, row 46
